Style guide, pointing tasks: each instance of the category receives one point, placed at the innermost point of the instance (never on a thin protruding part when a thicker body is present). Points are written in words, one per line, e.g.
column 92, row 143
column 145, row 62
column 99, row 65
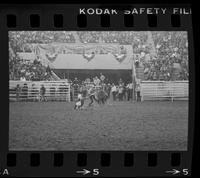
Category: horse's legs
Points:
column 91, row 100
column 82, row 103
column 103, row 100
column 95, row 99
column 106, row 98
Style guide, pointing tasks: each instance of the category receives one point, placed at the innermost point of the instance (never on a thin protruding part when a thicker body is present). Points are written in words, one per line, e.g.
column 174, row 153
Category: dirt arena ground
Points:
column 148, row 125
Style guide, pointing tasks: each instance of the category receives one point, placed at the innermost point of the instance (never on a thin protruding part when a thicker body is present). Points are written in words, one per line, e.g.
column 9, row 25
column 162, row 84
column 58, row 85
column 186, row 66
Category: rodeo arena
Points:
column 98, row 90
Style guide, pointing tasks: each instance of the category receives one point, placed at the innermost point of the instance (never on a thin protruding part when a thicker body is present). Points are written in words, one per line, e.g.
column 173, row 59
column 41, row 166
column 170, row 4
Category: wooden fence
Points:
column 164, row 89
column 31, row 91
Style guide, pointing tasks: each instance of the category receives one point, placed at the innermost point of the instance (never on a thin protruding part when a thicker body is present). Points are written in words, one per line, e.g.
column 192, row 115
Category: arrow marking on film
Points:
column 173, row 171
column 84, row 172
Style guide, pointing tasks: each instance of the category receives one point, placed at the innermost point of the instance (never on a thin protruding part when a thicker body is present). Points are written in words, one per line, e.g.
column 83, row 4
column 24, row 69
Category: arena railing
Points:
column 54, row 91
column 173, row 90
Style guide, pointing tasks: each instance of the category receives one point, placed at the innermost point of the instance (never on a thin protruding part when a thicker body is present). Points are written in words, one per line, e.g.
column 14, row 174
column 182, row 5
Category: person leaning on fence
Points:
column 25, row 92
column 138, row 89
column 18, row 91
column 42, row 93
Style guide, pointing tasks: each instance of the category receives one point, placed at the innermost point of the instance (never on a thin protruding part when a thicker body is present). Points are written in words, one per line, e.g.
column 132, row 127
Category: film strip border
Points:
column 85, row 18
column 82, row 21
column 94, row 163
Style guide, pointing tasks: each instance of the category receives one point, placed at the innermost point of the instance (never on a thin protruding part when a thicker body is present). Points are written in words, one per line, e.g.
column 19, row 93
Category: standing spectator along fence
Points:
column 63, row 91
column 31, row 91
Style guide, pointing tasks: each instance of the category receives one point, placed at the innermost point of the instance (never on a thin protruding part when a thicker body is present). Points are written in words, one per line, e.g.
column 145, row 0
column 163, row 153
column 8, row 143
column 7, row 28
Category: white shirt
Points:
column 102, row 77
column 80, row 96
column 78, row 103
column 91, row 91
column 23, row 79
column 120, row 89
column 130, row 86
column 137, row 88
column 114, row 88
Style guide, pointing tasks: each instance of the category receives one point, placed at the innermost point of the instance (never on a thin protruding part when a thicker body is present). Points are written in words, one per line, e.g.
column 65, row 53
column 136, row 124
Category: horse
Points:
column 102, row 96
column 99, row 95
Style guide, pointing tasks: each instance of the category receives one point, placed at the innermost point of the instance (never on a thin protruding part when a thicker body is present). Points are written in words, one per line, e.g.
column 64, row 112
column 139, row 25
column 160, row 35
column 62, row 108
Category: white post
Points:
column 141, row 92
column 172, row 92
column 133, row 79
column 69, row 92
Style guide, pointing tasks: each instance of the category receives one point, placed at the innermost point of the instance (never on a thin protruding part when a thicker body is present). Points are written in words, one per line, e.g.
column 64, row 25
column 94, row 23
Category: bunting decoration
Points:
column 89, row 56
column 51, row 57
column 50, row 52
column 120, row 57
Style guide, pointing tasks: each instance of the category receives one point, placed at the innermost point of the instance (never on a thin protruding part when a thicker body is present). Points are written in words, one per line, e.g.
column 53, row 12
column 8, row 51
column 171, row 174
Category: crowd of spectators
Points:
column 21, row 39
column 171, row 50
column 89, row 37
column 30, row 71
column 118, row 91
column 125, row 37
column 171, row 59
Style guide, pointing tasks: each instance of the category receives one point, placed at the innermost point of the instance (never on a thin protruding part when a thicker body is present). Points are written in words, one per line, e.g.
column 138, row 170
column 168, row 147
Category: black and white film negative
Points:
column 95, row 90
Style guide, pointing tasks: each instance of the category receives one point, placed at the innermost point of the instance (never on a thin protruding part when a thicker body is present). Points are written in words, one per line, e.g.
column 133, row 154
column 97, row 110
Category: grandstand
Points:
column 55, row 55
column 72, row 63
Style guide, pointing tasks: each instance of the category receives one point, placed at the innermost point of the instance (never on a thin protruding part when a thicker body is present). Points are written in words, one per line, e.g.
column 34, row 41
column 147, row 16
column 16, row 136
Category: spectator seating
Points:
column 171, row 48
